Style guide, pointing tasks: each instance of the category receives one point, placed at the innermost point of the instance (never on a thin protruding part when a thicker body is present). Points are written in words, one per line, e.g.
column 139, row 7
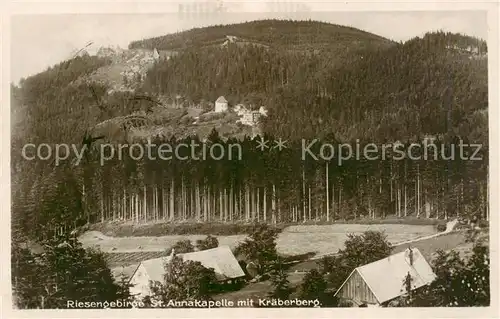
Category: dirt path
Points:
column 450, row 226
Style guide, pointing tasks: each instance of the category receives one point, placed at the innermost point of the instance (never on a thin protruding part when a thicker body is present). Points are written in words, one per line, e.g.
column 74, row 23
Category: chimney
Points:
column 411, row 256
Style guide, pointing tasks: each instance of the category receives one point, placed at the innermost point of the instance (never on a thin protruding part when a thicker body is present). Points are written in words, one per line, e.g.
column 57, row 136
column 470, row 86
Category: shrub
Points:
column 260, row 247
column 182, row 247
column 184, row 280
column 208, row 243
column 313, row 287
column 185, row 120
column 460, row 282
column 359, row 250
column 441, row 227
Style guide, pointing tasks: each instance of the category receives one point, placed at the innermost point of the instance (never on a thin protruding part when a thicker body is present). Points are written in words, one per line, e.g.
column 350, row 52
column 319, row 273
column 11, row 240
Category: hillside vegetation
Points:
column 279, row 34
column 422, row 87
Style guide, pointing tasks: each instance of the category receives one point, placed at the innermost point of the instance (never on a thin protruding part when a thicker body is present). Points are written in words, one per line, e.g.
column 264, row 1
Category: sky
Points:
column 39, row 41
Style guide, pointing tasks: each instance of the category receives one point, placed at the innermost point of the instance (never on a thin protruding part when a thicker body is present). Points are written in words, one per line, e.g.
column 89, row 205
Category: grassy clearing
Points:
column 327, row 239
column 146, row 244
column 292, row 241
column 121, row 229
column 428, row 247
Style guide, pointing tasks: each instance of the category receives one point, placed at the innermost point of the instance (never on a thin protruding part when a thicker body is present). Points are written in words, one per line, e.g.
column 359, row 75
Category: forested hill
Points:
column 435, row 85
column 316, row 79
column 279, row 34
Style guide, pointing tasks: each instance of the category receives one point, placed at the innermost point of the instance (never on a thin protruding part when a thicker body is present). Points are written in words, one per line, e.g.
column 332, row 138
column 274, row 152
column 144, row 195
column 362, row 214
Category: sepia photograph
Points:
column 244, row 155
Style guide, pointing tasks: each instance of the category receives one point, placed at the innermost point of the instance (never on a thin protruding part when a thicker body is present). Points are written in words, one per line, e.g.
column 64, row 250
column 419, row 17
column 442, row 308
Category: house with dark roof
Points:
column 377, row 283
column 221, row 259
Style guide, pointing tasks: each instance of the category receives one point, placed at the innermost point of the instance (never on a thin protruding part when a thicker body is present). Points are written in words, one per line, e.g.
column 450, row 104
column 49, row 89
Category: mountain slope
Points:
column 422, row 87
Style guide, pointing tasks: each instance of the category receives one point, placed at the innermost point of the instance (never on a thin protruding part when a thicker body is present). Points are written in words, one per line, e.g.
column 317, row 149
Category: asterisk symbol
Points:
column 280, row 144
column 262, row 144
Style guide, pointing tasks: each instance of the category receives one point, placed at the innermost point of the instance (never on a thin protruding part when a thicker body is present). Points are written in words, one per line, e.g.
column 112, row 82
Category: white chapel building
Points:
column 221, row 104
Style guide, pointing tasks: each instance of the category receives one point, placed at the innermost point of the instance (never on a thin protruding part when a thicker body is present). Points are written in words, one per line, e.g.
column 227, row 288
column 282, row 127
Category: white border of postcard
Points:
column 65, row 7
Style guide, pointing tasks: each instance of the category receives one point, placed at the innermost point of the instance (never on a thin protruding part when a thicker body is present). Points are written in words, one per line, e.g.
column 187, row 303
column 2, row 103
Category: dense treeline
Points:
column 410, row 90
column 273, row 186
column 52, row 107
column 405, row 92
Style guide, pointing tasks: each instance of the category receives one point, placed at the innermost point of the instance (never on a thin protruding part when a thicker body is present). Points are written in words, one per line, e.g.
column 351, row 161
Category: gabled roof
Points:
column 221, row 259
column 385, row 277
column 221, row 99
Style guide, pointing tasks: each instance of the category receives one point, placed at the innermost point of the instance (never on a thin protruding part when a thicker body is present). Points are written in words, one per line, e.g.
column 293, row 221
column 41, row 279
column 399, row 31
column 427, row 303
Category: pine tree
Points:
column 63, row 271
column 279, row 281
column 313, row 287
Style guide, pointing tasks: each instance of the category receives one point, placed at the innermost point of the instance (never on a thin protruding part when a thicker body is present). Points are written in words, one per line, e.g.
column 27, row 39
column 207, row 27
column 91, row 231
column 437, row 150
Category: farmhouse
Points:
column 378, row 283
column 229, row 39
column 249, row 117
column 221, row 259
column 221, row 104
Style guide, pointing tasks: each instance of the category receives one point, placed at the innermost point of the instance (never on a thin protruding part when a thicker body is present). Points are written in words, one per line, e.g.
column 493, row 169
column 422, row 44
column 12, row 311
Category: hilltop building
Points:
column 378, row 283
column 229, row 39
column 221, row 104
column 249, row 117
column 221, row 259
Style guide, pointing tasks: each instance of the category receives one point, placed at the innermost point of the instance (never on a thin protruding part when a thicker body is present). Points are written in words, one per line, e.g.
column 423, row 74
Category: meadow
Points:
column 293, row 240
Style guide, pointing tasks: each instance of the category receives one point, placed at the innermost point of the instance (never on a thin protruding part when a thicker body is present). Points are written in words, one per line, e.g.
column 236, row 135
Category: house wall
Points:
column 356, row 290
column 140, row 282
column 247, row 119
column 220, row 107
column 255, row 117
column 250, row 117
